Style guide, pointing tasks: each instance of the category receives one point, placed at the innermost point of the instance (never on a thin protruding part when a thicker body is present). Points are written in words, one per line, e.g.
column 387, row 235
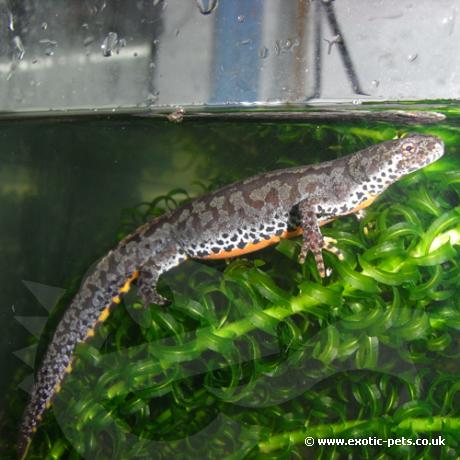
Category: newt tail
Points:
column 243, row 217
column 104, row 287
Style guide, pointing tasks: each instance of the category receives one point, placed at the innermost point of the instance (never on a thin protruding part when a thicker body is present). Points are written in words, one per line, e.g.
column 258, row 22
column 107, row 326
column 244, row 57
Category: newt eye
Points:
column 409, row 148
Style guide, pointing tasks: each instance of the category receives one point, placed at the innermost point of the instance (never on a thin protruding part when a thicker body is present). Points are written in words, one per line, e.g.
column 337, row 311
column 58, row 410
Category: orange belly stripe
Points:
column 125, row 288
column 365, row 203
column 251, row 247
column 104, row 315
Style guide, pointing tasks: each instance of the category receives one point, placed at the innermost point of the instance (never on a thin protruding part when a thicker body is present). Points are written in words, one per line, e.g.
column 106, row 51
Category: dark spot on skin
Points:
column 344, row 208
column 225, row 235
column 270, row 229
column 266, row 237
column 240, row 231
column 359, row 195
column 255, row 241
column 279, row 232
column 253, row 236
column 220, row 242
column 201, row 253
column 193, row 246
column 215, row 250
column 229, row 248
column 234, row 238
column 241, row 245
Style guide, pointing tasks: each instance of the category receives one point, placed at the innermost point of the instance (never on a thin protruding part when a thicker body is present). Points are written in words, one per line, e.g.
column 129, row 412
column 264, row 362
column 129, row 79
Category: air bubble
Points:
column 10, row 21
column 246, row 41
column 111, row 44
column 263, row 52
column 19, row 50
column 206, row 6
column 286, row 46
column 51, row 46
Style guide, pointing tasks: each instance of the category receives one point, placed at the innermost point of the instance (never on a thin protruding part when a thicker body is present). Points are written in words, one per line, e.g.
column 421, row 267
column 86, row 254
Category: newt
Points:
column 240, row 218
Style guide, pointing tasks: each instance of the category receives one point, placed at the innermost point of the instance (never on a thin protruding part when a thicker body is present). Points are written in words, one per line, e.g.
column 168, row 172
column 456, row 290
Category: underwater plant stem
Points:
column 430, row 424
column 238, row 328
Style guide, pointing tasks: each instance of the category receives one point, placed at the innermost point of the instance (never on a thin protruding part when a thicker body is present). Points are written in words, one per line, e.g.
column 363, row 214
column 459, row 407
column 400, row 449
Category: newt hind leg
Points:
column 146, row 285
column 153, row 268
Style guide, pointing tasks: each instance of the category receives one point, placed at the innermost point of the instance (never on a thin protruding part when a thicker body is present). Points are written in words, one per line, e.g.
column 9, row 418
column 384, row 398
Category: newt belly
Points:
column 252, row 247
column 271, row 240
column 238, row 219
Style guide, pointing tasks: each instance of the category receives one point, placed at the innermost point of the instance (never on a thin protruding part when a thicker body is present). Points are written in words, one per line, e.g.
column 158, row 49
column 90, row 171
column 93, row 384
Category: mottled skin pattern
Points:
column 237, row 219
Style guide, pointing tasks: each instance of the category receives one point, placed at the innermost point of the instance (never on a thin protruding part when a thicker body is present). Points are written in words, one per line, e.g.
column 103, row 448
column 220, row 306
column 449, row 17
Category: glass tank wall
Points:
column 151, row 55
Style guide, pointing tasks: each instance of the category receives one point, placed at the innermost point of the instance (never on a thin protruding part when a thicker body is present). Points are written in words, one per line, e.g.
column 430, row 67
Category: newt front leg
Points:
column 312, row 238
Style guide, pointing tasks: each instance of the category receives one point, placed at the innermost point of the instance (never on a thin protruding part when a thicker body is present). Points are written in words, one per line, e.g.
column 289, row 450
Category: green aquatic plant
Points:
column 257, row 353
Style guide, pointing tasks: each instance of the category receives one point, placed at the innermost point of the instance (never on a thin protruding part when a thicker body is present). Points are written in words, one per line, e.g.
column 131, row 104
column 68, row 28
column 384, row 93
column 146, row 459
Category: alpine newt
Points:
column 240, row 218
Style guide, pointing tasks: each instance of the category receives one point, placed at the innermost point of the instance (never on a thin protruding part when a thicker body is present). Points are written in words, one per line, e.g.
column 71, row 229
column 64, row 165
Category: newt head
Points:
column 383, row 164
column 416, row 151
